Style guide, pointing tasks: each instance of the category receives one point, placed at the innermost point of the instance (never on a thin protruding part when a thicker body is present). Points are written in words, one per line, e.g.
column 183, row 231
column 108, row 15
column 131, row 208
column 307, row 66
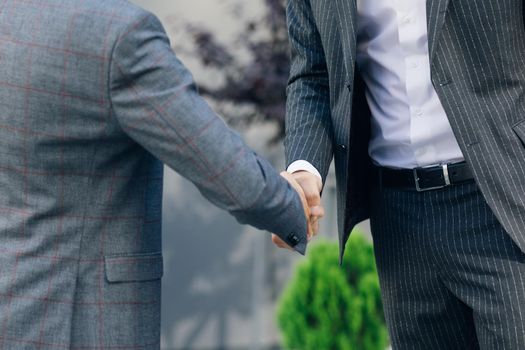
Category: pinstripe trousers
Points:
column 451, row 277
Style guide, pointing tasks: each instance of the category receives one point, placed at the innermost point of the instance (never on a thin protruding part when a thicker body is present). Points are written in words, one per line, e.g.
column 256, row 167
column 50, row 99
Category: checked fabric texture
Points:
column 92, row 101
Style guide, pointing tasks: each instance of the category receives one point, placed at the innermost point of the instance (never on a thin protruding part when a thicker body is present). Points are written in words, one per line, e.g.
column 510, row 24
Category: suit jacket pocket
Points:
column 133, row 267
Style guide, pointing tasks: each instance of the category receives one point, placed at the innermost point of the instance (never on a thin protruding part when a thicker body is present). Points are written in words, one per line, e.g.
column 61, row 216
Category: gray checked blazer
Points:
column 477, row 50
column 91, row 96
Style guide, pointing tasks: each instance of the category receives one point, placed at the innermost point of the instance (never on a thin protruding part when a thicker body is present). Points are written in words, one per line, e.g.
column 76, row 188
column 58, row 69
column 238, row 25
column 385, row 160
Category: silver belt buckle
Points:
column 446, row 176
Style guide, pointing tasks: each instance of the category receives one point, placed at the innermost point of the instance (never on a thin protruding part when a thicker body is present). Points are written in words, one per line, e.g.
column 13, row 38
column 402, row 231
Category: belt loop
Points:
column 446, row 175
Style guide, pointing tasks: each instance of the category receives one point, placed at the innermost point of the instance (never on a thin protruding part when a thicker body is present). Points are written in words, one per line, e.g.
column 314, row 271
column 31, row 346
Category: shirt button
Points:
column 408, row 19
column 419, row 112
column 415, row 64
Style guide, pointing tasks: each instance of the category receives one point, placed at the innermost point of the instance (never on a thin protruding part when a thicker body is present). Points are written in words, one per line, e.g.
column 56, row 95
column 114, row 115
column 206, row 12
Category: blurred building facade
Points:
column 222, row 280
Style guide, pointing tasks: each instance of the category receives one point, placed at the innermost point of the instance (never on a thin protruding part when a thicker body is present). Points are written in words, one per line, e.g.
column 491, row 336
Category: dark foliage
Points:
column 253, row 85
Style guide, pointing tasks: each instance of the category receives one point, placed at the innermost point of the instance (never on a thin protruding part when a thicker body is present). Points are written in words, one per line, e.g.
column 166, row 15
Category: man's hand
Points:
column 312, row 188
column 309, row 188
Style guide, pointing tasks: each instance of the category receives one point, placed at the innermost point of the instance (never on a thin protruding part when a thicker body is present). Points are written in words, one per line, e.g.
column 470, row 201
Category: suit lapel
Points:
column 345, row 14
column 436, row 12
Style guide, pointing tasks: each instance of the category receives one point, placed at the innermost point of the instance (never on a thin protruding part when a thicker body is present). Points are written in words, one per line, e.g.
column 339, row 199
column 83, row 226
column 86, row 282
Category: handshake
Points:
column 309, row 187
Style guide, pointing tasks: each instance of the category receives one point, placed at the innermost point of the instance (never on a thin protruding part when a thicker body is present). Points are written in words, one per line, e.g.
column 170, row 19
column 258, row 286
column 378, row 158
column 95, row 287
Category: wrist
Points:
column 304, row 166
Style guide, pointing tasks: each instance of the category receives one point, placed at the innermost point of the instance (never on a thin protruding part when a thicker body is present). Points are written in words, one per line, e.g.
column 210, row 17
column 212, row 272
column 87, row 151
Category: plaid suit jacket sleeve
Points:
column 308, row 119
column 156, row 103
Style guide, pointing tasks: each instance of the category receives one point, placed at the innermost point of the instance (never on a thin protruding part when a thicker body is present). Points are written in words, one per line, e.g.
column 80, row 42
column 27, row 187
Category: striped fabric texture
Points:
column 91, row 97
column 478, row 69
column 452, row 278
column 451, row 262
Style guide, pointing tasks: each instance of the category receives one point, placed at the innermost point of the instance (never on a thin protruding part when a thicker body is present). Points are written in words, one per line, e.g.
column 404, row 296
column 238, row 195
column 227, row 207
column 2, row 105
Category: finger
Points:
column 280, row 243
column 317, row 211
column 314, row 224
column 313, row 196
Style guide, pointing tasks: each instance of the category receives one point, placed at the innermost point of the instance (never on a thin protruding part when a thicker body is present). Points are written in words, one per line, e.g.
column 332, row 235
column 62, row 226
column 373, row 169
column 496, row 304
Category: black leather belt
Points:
column 425, row 179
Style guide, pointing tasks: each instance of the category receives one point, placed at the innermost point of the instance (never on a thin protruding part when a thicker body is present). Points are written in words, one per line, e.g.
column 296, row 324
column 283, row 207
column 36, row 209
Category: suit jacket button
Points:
column 342, row 148
column 293, row 239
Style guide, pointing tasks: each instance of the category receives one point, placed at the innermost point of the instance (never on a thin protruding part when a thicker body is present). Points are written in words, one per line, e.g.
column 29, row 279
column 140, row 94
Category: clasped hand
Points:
column 309, row 187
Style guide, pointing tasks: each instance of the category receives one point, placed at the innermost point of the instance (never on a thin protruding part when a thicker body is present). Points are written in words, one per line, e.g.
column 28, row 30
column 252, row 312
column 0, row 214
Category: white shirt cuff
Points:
column 303, row 165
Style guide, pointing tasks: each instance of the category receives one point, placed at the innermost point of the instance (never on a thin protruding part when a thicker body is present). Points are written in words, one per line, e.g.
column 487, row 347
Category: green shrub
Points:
column 328, row 307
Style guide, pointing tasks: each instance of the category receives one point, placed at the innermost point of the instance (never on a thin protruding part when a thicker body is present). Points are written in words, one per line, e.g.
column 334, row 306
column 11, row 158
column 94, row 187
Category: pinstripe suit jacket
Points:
column 477, row 51
column 90, row 96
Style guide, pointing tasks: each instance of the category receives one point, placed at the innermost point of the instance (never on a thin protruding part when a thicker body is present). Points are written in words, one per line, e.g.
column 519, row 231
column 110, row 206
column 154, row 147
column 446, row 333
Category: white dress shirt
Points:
column 409, row 126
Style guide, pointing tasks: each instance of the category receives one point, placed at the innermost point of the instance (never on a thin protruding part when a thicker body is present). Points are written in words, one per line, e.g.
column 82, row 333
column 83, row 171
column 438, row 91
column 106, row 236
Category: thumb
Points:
column 317, row 211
